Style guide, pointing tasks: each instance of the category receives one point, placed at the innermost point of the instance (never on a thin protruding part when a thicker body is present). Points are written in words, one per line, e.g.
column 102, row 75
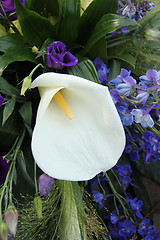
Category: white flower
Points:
column 87, row 140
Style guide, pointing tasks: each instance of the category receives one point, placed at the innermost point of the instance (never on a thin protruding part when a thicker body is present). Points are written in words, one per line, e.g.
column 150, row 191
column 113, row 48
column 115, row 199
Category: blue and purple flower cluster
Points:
column 125, row 221
column 135, row 10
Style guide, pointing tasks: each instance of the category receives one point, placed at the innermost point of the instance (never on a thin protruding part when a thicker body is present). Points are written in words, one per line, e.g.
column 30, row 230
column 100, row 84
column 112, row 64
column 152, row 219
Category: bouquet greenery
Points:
column 79, row 118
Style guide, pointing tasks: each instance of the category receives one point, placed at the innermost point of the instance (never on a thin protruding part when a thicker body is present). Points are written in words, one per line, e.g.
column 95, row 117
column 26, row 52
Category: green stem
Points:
column 35, row 178
column 117, row 195
column 4, row 188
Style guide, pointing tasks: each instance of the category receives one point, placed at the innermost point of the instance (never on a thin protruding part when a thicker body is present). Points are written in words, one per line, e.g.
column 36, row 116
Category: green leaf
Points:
column 26, row 112
column 36, row 29
column 126, row 58
column 115, row 69
column 8, row 109
column 85, row 69
column 14, row 50
column 9, row 131
column 98, row 50
column 107, row 24
column 92, row 15
column 68, row 21
column 22, row 165
column 46, row 8
column 7, row 88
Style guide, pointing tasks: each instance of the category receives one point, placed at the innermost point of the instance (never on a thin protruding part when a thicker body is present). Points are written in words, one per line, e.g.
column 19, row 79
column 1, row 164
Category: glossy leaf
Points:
column 9, row 131
column 8, row 109
column 92, row 15
column 26, row 112
column 7, row 88
column 46, row 8
column 84, row 68
column 14, row 50
column 128, row 58
column 115, row 69
column 98, row 50
column 23, row 167
column 36, row 29
column 68, row 21
column 107, row 24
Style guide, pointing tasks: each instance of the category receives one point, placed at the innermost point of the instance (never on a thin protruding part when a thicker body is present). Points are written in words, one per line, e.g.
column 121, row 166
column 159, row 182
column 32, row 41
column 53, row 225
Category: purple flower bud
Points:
column 1, row 100
column 3, row 231
column 11, row 219
column 58, row 57
column 4, row 167
column 45, row 184
column 9, row 8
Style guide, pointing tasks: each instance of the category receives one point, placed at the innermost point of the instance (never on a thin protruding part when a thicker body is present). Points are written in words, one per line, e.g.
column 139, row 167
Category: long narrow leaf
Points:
column 85, row 69
column 36, row 29
column 107, row 24
column 68, row 21
column 92, row 15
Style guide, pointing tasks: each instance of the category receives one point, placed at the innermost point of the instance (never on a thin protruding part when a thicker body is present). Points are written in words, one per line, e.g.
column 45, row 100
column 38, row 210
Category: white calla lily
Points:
column 87, row 137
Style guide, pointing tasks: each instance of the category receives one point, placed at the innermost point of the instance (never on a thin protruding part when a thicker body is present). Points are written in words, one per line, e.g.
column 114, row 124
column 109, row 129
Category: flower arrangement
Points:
column 79, row 118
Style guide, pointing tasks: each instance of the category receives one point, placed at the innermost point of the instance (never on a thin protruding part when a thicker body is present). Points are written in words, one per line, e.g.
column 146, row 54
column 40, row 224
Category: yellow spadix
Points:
column 58, row 97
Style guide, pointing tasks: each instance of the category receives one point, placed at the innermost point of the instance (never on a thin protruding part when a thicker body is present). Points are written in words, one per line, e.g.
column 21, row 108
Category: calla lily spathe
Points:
column 79, row 147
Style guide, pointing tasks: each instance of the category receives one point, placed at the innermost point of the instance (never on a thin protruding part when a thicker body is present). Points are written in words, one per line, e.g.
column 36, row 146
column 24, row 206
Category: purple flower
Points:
column 127, row 87
column 11, row 219
column 142, row 96
column 127, row 229
column 58, row 57
column 99, row 198
column 144, row 119
column 152, row 77
column 1, row 100
column 125, row 115
column 101, row 70
column 129, row 11
column 45, row 184
column 9, row 8
column 124, row 173
column 144, row 228
column 136, row 206
column 4, row 167
column 151, row 146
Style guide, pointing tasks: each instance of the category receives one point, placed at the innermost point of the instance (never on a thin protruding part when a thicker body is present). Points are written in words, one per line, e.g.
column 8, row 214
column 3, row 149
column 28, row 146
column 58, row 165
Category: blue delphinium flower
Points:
column 127, row 87
column 143, row 118
column 136, row 206
column 152, row 77
column 102, row 70
column 125, row 115
column 124, row 174
column 151, row 146
column 99, row 198
column 145, row 229
column 126, row 229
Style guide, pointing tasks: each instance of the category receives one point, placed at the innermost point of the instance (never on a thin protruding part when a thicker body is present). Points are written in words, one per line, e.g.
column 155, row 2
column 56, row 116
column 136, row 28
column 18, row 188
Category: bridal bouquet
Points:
column 79, row 118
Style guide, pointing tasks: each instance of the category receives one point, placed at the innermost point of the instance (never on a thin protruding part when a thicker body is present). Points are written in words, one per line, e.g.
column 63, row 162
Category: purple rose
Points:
column 58, row 57
column 1, row 100
column 9, row 8
column 4, row 167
